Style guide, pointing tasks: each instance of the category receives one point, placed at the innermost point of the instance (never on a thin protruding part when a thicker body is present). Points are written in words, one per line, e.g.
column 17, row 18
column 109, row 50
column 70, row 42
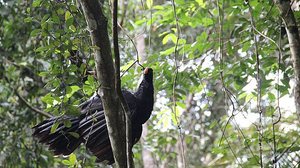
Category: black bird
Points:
column 90, row 127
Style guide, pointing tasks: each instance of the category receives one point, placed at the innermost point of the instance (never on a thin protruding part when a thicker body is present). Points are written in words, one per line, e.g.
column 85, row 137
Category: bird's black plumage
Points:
column 90, row 127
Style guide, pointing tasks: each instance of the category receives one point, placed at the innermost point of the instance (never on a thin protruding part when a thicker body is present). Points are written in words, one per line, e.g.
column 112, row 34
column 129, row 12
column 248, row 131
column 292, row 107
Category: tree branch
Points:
column 33, row 108
column 124, row 105
column 97, row 24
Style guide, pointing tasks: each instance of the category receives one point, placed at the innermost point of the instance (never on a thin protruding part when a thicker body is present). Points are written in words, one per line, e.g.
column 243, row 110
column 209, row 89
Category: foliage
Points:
column 207, row 64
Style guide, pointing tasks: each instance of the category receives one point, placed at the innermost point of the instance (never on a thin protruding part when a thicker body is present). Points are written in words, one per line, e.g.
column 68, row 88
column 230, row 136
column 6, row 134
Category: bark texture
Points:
column 97, row 25
column 294, row 42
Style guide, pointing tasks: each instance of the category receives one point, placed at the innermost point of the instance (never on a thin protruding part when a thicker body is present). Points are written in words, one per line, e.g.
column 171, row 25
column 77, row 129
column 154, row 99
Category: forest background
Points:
column 225, row 79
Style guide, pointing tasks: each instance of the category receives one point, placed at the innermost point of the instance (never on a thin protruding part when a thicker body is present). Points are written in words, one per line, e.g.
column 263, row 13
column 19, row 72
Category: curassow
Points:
column 90, row 127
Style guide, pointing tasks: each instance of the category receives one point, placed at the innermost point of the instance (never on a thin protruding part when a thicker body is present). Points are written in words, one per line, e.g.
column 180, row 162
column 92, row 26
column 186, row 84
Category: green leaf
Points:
column 253, row 160
column 90, row 80
column 41, row 49
column 247, row 142
column 294, row 149
column 254, row 3
column 67, row 123
column 207, row 21
column 271, row 96
column 72, row 110
column 168, row 37
column 68, row 15
column 72, row 28
column 44, row 22
column 72, row 158
column 175, row 116
column 213, row 124
column 149, row 3
column 74, row 134
column 28, row 19
column 75, row 88
column 181, row 41
column 69, row 18
column 73, row 8
column 60, row 11
column 243, row 95
column 54, row 127
column 201, row 3
column 127, row 65
column 36, row 3
column 168, row 51
column 35, row 32
column 218, row 150
column 71, row 90
column 55, row 19
column 66, row 162
column 249, row 97
column 43, row 74
column 87, row 89
column 180, row 104
column 48, row 99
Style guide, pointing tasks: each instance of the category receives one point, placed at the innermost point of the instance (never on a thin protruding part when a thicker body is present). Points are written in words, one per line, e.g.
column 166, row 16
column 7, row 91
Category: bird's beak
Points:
column 146, row 71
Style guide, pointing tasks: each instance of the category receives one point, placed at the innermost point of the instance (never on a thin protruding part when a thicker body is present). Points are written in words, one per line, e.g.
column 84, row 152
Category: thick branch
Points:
column 294, row 41
column 97, row 24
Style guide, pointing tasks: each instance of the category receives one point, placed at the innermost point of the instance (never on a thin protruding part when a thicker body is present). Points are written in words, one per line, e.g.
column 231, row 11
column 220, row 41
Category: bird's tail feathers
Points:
column 94, row 130
column 64, row 140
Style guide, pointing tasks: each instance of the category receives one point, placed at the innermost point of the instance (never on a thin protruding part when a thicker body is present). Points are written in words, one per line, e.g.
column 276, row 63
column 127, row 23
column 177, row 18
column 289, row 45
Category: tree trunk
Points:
column 115, row 120
column 294, row 42
column 180, row 153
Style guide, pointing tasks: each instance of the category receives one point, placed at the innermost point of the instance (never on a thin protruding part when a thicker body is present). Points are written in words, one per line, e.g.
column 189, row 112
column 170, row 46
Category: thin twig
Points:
column 92, row 127
column 223, row 132
column 287, row 149
column 137, row 60
column 33, row 108
column 220, row 18
column 278, row 107
column 124, row 11
column 258, row 79
column 175, row 83
column 243, row 135
column 151, row 25
column 218, row 123
column 234, row 155
column 229, row 95
column 221, row 68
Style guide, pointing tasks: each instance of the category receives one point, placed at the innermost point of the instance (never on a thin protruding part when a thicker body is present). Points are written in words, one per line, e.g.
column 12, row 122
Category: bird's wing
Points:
column 131, row 101
column 93, row 127
column 90, row 106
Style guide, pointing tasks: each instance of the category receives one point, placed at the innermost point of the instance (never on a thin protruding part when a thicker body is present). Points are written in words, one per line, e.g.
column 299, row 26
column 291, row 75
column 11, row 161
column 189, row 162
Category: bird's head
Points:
column 148, row 74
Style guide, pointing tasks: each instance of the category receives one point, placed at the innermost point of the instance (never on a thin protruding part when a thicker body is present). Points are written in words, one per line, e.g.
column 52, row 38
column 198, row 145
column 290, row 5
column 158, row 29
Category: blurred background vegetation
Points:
column 206, row 55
